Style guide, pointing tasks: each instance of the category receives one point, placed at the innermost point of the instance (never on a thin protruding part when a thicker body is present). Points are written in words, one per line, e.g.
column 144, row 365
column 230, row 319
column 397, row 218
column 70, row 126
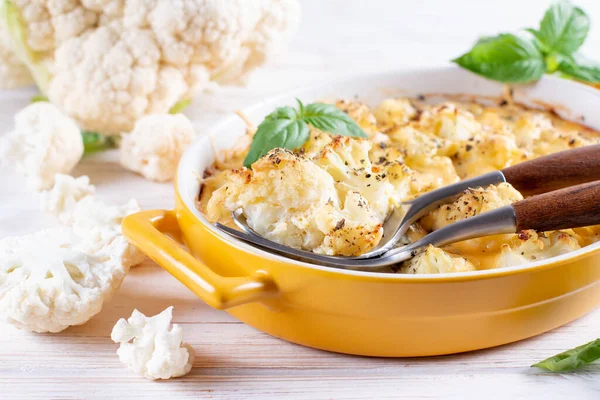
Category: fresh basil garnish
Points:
column 580, row 68
column 563, row 28
column 505, row 58
column 573, row 359
column 527, row 56
column 287, row 128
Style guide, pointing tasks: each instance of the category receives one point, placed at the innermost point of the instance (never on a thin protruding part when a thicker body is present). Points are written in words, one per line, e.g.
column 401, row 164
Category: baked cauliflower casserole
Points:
column 332, row 195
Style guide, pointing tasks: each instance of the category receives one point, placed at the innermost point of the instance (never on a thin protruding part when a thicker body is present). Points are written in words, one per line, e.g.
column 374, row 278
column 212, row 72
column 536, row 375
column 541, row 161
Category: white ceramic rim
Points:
column 188, row 170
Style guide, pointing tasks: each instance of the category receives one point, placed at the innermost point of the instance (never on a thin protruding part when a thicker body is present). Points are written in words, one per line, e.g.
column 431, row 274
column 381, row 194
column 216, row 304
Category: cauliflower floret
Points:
column 494, row 152
column 288, row 199
column 347, row 161
column 361, row 114
column 73, row 202
column 12, row 72
column 100, row 226
column 451, row 124
column 44, row 142
column 529, row 246
column 64, row 196
column 431, row 172
column 156, row 144
column 149, row 346
column 48, row 283
column 529, row 127
column 394, row 112
column 315, row 143
column 552, row 141
column 472, row 202
column 415, row 143
column 436, row 261
column 107, row 63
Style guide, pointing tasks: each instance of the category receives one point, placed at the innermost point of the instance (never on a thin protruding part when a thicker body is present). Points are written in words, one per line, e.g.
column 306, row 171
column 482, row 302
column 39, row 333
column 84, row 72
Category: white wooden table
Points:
column 234, row 361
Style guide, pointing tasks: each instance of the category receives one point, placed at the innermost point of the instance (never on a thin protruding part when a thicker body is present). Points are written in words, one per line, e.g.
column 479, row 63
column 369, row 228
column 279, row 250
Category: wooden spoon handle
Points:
column 571, row 207
column 555, row 171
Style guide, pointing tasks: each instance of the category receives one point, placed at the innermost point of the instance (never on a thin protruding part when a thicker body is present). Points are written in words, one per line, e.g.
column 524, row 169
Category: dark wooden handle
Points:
column 571, row 207
column 555, row 171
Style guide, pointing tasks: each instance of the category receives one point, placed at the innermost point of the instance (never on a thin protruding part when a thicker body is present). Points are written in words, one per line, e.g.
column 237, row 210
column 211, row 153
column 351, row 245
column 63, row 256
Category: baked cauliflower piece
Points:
column 471, row 203
column 288, row 199
column 107, row 63
column 383, row 186
column 62, row 199
column 395, row 113
column 529, row 246
column 156, row 144
column 414, row 143
column 434, row 260
column 361, row 114
column 494, row 152
column 529, row 127
column 151, row 347
column 48, row 282
column 43, row 143
column 451, row 124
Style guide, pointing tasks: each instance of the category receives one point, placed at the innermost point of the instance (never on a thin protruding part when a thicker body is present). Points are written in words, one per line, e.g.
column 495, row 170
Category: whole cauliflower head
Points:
column 13, row 73
column 156, row 144
column 48, row 283
column 149, row 346
column 288, row 199
column 436, row 261
column 43, row 143
column 529, row 246
column 107, row 63
column 62, row 199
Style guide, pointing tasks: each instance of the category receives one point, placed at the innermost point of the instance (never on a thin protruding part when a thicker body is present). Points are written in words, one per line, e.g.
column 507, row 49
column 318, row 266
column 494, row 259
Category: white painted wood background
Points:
column 337, row 38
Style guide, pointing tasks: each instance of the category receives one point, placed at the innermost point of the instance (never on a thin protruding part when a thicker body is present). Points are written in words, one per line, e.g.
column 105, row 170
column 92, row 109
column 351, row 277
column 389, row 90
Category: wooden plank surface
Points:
column 234, row 361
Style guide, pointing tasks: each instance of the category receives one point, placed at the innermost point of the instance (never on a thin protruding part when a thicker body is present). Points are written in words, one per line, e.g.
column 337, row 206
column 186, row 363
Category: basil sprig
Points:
column 525, row 57
column 287, row 128
column 573, row 359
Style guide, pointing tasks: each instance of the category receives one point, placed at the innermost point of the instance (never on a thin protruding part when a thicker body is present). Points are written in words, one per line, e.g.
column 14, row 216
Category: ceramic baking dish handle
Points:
column 147, row 231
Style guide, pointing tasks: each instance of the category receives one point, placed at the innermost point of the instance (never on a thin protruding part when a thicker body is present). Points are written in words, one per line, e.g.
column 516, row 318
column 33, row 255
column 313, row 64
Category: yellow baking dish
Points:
column 374, row 314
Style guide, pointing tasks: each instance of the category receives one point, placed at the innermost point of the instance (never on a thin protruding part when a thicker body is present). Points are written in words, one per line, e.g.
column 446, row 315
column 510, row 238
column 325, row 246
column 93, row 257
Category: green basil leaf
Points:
column 505, row 58
column 573, row 359
column 564, row 28
column 329, row 118
column 581, row 69
column 272, row 133
column 283, row 113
